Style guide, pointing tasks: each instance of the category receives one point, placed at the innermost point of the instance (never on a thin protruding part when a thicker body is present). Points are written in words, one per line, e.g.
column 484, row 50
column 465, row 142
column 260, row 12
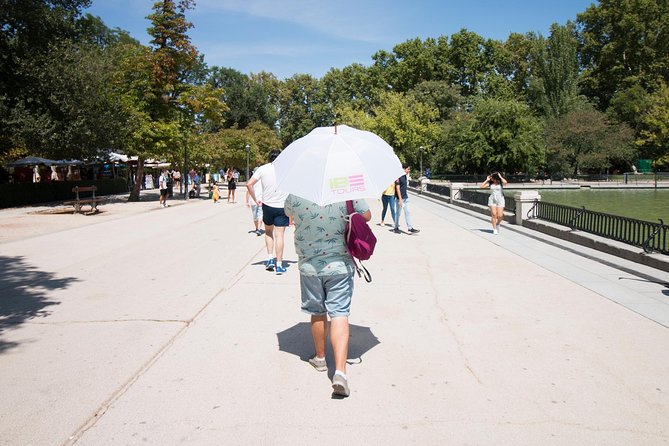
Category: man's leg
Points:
column 278, row 243
column 339, row 335
column 407, row 213
column 319, row 333
column 269, row 239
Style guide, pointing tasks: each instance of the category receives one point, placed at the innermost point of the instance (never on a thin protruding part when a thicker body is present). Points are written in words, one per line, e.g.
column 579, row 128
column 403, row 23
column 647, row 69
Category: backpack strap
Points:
column 360, row 269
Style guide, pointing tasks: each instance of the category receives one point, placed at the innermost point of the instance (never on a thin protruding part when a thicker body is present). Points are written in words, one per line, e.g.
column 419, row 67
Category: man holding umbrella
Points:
column 322, row 171
column 326, row 277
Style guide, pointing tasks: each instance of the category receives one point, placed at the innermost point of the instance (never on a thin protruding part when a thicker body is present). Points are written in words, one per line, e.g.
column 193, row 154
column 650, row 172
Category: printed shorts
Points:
column 327, row 294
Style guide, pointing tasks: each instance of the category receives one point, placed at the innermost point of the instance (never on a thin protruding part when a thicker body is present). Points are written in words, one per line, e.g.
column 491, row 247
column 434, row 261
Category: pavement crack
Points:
column 119, row 392
column 444, row 319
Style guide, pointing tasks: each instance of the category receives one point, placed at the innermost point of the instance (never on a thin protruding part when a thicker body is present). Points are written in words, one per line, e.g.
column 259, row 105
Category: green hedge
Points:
column 21, row 194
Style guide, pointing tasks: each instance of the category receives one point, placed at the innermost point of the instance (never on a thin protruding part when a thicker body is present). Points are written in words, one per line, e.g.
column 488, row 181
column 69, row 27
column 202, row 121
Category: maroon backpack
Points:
column 360, row 239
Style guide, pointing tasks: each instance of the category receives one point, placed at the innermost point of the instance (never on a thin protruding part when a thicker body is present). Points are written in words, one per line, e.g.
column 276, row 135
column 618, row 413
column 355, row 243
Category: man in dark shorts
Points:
column 273, row 214
column 164, row 189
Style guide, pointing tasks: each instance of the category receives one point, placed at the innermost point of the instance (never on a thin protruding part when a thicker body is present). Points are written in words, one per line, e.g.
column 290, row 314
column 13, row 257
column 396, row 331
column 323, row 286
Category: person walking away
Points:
column 401, row 185
column 326, row 278
column 232, row 185
column 170, row 184
column 256, row 211
column 164, row 190
column 197, row 180
column 388, row 200
column 176, row 178
column 496, row 203
column 273, row 215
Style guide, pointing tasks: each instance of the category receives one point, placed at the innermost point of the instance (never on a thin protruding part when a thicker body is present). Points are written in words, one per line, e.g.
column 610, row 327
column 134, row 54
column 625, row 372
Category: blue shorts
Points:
column 274, row 216
column 327, row 294
column 256, row 211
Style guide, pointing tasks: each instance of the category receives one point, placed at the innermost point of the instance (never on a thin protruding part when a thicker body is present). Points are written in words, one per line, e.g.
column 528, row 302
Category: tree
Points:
column 496, row 135
column 78, row 115
column 28, row 30
column 440, row 95
column 155, row 105
column 515, row 62
column 405, row 124
column 468, row 61
column 654, row 138
column 302, row 107
column 623, row 39
column 247, row 98
column 354, row 85
column 585, row 139
column 227, row 147
column 557, row 72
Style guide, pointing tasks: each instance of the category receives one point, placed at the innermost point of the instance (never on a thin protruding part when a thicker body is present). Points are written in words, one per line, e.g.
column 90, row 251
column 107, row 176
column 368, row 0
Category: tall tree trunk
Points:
column 134, row 193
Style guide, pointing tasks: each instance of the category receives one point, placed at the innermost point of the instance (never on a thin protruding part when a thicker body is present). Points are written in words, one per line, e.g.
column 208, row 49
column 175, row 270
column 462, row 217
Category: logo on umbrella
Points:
column 343, row 185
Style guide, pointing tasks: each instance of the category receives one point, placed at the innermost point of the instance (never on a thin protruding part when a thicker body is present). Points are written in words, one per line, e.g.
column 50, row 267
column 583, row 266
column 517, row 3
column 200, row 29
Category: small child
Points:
column 215, row 194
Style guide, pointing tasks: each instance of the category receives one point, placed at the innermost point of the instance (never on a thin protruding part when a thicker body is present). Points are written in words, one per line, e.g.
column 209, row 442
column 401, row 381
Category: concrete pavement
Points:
column 162, row 327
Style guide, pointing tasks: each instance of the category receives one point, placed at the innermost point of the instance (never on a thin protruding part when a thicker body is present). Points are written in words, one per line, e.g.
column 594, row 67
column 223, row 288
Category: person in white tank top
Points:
column 496, row 202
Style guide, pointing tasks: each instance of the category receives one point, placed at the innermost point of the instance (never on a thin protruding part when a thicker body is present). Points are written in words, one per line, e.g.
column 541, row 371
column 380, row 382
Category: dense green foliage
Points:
column 592, row 96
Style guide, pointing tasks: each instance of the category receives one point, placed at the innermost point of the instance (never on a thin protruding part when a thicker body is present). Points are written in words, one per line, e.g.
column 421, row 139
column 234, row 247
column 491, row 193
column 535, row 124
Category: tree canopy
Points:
column 589, row 96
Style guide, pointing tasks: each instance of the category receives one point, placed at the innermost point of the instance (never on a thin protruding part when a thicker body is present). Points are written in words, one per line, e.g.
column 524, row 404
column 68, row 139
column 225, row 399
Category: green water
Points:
column 649, row 205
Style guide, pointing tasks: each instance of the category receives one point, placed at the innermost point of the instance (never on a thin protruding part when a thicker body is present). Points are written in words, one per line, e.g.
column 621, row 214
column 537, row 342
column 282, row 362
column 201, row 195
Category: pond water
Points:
column 647, row 204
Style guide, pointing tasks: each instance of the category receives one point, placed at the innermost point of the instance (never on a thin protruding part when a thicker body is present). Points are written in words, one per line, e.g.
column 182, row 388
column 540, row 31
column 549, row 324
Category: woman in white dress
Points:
column 496, row 202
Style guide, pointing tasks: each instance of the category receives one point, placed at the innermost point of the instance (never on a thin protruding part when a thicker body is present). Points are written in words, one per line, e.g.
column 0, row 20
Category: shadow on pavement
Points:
column 23, row 294
column 297, row 341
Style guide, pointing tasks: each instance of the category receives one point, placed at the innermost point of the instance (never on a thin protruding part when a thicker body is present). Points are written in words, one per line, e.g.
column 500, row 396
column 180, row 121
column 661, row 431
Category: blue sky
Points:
column 286, row 37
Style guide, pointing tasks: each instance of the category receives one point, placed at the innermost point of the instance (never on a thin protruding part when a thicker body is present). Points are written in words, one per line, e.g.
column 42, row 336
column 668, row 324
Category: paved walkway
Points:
column 161, row 326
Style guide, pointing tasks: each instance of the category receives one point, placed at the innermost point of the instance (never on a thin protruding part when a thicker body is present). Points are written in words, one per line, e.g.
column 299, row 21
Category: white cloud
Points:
column 352, row 20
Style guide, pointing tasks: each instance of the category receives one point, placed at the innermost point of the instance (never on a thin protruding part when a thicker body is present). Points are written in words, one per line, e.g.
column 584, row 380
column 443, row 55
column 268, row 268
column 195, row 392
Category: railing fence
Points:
column 645, row 234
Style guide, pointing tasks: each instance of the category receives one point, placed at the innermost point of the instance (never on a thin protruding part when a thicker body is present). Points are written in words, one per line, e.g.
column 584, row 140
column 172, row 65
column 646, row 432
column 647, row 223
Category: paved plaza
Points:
column 142, row 325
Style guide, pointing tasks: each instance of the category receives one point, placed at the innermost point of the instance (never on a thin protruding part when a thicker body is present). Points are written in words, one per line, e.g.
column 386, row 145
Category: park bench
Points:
column 92, row 201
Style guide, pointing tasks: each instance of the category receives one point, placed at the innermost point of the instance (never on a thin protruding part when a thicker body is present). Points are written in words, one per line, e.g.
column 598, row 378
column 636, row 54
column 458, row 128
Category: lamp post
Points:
column 184, row 177
column 421, row 161
column 248, row 151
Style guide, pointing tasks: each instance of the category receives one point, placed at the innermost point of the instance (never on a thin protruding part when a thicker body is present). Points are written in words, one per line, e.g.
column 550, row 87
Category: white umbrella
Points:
column 332, row 164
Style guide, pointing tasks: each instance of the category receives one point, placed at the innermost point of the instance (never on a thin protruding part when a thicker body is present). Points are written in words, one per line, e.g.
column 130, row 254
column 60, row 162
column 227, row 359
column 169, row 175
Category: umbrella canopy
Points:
column 333, row 164
column 32, row 161
column 296, row 340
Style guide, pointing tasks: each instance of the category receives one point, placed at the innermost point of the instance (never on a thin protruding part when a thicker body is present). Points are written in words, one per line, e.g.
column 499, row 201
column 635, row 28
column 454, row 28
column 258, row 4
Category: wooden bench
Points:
column 92, row 201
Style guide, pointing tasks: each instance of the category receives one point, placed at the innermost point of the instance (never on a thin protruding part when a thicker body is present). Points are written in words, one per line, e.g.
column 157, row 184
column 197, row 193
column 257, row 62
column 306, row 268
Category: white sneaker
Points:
column 495, row 232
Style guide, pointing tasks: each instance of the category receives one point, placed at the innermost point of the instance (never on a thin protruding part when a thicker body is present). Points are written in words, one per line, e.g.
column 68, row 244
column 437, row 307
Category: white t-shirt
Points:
column 162, row 181
column 271, row 196
column 257, row 189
